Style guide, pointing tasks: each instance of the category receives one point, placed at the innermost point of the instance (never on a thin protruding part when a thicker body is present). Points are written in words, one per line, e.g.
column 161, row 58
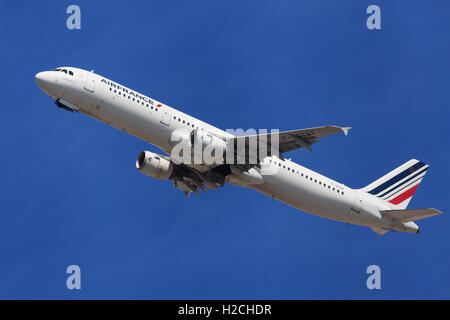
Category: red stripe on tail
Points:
column 405, row 195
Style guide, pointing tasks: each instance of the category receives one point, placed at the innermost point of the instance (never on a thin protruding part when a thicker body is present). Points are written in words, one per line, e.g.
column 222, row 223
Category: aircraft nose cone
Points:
column 40, row 78
column 44, row 81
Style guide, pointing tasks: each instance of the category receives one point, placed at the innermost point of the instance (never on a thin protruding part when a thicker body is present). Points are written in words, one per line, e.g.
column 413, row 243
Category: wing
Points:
column 191, row 178
column 290, row 140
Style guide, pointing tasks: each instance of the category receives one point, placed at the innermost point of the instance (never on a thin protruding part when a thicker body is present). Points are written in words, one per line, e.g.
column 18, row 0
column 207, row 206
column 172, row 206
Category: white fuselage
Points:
column 154, row 122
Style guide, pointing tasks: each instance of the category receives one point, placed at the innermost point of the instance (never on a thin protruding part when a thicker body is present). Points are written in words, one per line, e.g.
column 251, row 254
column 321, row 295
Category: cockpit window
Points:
column 64, row 70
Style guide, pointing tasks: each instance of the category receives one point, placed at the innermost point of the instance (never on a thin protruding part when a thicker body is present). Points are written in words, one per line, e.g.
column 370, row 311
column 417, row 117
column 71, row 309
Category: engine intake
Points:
column 154, row 165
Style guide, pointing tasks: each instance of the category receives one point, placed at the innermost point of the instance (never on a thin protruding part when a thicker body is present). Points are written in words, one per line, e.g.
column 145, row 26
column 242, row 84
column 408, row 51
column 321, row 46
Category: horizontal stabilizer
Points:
column 408, row 215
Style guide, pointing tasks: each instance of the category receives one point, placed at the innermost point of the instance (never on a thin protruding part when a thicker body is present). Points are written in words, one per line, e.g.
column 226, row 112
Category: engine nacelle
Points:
column 154, row 165
column 197, row 147
column 208, row 144
column 206, row 139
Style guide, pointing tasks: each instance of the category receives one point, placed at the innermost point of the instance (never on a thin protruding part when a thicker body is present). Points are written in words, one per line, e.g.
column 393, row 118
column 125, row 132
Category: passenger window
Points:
column 71, row 73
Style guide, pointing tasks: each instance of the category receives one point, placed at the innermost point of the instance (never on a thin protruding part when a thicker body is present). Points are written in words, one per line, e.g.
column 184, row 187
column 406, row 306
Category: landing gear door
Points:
column 89, row 84
column 165, row 118
column 357, row 203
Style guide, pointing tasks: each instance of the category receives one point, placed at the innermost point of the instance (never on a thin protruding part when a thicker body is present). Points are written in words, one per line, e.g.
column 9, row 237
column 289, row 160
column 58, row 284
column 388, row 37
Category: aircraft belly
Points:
column 303, row 195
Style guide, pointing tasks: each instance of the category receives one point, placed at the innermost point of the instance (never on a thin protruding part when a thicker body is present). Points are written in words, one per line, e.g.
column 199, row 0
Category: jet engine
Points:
column 209, row 145
column 154, row 165
column 206, row 139
column 185, row 178
column 197, row 147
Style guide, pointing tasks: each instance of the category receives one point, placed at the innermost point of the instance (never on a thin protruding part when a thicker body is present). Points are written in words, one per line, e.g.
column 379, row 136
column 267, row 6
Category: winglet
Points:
column 345, row 129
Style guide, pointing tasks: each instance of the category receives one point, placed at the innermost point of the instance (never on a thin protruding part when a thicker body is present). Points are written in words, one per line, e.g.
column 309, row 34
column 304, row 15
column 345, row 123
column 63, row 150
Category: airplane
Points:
column 381, row 205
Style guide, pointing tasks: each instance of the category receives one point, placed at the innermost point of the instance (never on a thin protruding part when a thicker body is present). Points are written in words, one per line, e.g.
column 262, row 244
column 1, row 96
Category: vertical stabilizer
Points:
column 398, row 186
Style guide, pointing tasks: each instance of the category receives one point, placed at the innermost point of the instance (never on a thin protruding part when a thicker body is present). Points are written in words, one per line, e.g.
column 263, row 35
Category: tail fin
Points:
column 398, row 186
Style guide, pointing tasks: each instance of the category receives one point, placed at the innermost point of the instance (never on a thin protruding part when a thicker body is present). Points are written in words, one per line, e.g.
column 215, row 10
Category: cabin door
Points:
column 165, row 118
column 357, row 202
column 89, row 85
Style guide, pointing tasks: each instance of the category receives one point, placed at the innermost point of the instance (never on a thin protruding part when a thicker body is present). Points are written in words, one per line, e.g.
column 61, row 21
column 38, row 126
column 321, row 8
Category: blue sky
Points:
column 70, row 193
